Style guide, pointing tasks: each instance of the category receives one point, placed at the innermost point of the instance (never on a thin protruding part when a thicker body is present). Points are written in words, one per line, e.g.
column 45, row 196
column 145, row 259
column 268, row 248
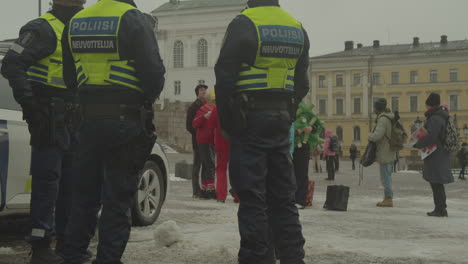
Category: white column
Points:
column 365, row 96
column 330, row 94
column 348, row 93
column 313, row 92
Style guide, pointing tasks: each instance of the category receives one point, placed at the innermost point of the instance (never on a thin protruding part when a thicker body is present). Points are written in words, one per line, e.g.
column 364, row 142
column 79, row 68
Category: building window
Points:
column 322, row 107
column 376, row 78
column 453, row 102
column 178, row 54
column 433, row 76
column 395, row 103
column 322, row 81
column 356, row 79
column 413, row 77
column 339, row 80
column 339, row 107
column 202, row 53
column 357, row 106
column 413, row 104
column 395, row 77
column 357, row 133
column 339, row 133
column 453, row 75
column 177, row 87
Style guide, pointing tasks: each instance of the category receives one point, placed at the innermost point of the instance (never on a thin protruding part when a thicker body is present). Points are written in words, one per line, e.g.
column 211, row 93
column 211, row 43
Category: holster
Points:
column 240, row 110
column 44, row 119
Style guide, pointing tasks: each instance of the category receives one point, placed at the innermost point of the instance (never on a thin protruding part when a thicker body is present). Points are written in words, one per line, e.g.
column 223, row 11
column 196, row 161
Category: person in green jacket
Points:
column 385, row 156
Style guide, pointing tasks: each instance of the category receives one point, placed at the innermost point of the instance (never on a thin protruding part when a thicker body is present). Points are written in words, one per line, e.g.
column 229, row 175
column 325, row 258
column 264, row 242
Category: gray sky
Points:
column 328, row 22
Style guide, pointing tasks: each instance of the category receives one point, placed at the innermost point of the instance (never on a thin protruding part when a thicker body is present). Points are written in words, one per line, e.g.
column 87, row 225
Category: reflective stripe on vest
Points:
column 93, row 38
column 49, row 70
column 280, row 45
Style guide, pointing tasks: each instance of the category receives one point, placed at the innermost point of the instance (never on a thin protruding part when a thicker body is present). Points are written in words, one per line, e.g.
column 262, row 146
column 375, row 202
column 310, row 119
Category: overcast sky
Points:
column 328, row 22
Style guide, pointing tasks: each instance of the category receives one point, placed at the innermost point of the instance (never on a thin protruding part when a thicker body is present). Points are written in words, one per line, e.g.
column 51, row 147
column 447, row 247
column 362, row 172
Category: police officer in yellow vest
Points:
column 261, row 75
column 111, row 57
column 33, row 67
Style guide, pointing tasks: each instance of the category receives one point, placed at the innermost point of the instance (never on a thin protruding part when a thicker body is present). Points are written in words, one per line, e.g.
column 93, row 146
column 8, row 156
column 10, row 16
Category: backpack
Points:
column 450, row 139
column 334, row 145
column 398, row 135
column 370, row 155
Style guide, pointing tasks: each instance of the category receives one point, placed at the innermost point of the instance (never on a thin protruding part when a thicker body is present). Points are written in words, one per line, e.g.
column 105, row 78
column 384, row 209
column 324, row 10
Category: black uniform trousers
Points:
column 51, row 169
column 301, row 157
column 106, row 175
column 261, row 173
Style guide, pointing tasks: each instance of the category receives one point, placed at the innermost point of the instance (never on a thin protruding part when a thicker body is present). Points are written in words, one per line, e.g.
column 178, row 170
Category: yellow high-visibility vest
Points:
column 49, row 70
column 93, row 36
column 280, row 45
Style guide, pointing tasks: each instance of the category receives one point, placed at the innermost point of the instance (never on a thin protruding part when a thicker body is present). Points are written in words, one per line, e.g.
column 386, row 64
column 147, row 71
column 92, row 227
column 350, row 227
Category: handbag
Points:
column 370, row 154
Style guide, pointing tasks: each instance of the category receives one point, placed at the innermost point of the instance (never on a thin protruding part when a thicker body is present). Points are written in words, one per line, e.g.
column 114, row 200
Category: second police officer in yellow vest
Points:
column 261, row 75
column 33, row 67
column 111, row 57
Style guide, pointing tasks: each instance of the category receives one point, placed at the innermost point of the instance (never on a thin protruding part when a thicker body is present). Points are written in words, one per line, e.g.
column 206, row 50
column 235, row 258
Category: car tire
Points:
column 150, row 195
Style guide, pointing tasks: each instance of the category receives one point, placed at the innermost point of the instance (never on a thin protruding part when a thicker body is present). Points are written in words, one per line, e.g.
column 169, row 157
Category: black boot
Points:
column 43, row 254
column 438, row 213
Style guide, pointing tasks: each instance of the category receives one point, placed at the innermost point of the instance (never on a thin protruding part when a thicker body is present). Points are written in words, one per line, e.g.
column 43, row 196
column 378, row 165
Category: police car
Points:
column 15, row 160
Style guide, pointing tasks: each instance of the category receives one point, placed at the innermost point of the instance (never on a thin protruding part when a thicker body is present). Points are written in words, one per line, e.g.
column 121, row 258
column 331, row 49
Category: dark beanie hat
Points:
column 433, row 100
column 380, row 104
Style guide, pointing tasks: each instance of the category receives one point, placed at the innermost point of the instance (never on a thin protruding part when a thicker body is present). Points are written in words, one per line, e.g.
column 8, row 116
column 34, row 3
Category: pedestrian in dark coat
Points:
column 437, row 168
column 200, row 92
column 353, row 154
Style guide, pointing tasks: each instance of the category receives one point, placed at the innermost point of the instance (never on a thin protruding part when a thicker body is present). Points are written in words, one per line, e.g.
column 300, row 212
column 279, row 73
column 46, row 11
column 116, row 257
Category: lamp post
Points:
column 465, row 131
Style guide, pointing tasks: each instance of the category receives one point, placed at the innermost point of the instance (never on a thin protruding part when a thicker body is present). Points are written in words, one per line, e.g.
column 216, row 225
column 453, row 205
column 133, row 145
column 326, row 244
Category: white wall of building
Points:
column 189, row 26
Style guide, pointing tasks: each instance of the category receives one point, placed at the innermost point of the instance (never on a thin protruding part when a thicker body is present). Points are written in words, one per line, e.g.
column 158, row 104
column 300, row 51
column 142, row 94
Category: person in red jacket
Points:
column 205, row 141
column 222, row 157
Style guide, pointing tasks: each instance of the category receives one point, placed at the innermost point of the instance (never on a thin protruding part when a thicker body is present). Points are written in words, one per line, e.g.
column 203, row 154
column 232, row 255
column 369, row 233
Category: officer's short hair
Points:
column 199, row 87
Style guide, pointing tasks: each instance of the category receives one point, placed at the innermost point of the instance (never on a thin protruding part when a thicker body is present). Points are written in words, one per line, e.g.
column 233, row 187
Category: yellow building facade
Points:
column 345, row 84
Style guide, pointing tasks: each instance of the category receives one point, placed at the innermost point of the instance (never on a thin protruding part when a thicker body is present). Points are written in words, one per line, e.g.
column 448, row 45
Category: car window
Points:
column 6, row 96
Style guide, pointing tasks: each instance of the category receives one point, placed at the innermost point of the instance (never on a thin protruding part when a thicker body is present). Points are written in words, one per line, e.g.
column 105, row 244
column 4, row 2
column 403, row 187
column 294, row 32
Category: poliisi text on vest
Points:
column 292, row 34
column 93, row 25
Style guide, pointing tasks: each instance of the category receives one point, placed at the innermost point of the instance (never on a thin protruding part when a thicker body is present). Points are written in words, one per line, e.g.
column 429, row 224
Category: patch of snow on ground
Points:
column 167, row 234
column 173, row 178
column 167, row 149
column 409, row 171
column 6, row 251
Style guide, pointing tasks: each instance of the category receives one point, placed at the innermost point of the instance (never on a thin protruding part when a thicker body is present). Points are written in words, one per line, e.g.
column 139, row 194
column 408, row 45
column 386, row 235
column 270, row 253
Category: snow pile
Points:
column 167, row 234
column 173, row 178
column 6, row 251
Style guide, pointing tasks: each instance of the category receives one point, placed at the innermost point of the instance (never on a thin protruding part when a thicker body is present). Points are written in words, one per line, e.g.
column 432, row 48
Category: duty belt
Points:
column 111, row 111
column 268, row 105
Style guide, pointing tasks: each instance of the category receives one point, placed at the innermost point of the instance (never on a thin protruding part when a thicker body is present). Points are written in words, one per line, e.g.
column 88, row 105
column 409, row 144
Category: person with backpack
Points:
column 329, row 152
column 353, row 154
column 437, row 166
column 462, row 156
column 385, row 156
